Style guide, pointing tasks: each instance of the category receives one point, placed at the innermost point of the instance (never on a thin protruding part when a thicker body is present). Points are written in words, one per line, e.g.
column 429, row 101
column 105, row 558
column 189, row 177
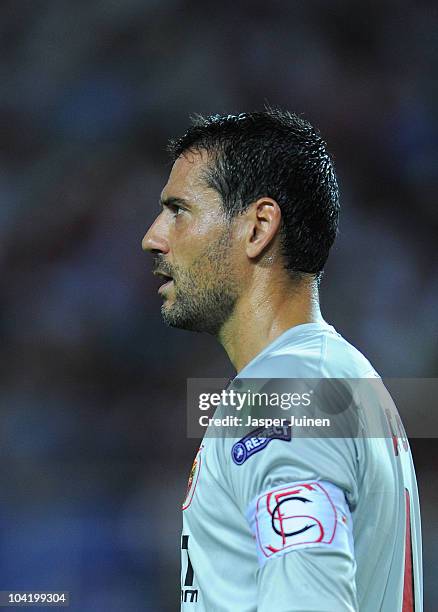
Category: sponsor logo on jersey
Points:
column 258, row 440
column 188, row 595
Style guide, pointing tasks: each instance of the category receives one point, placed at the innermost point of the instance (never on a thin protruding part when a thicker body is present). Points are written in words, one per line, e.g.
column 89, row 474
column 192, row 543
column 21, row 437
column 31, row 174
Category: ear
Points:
column 262, row 225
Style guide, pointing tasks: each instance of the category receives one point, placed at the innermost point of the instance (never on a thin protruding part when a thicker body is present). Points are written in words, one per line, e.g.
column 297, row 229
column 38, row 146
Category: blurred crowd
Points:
column 92, row 414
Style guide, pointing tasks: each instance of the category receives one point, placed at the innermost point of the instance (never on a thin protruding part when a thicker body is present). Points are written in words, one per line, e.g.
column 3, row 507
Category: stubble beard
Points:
column 206, row 293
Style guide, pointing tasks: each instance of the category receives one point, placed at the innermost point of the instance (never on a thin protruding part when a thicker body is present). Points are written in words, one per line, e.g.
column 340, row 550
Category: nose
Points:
column 155, row 239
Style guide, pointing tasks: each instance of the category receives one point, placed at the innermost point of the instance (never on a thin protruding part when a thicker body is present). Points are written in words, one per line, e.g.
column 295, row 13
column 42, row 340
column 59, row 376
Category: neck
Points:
column 261, row 315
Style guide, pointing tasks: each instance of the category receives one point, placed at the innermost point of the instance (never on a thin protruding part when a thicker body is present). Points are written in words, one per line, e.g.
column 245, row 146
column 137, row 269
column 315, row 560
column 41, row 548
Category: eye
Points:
column 175, row 210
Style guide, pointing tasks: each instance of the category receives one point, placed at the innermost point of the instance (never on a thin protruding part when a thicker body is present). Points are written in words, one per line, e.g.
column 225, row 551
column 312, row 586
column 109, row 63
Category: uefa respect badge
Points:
column 258, row 440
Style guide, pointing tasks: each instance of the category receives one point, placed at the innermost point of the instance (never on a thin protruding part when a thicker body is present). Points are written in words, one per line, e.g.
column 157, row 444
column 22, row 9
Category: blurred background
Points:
column 94, row 457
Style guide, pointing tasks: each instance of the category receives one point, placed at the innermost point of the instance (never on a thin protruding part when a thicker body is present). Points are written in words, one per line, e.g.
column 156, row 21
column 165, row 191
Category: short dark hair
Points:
column 277, row 154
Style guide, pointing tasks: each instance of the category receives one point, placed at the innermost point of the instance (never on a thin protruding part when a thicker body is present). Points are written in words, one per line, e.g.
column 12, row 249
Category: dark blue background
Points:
column 93, row 452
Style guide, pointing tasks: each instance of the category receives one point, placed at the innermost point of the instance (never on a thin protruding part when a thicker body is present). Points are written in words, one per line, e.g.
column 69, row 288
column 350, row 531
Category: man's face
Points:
column 193, row 247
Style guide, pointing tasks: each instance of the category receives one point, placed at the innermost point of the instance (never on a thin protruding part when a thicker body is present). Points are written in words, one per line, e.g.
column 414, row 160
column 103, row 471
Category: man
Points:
column 249, row 214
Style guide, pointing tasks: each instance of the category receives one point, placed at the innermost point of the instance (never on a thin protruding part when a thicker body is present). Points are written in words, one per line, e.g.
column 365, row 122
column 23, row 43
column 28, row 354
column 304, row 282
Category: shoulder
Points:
column 343, row 360
column 317, row 352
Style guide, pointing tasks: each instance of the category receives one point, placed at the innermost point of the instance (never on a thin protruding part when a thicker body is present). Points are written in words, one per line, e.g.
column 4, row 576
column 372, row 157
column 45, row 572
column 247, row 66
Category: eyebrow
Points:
column 172, row 201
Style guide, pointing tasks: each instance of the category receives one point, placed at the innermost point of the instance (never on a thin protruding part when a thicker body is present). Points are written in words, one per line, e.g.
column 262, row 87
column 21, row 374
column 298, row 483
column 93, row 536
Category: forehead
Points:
column 186, row 178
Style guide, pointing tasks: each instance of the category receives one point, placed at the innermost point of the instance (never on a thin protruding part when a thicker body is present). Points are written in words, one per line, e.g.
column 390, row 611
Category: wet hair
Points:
column 276, row 154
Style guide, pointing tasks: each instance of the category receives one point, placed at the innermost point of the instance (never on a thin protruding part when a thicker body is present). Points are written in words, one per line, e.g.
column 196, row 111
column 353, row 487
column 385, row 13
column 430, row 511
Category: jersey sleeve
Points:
column 297, row 495
column 313, row 580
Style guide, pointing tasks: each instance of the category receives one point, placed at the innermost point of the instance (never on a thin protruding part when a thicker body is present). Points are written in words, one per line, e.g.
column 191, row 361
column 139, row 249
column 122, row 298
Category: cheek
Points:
column 189, row 242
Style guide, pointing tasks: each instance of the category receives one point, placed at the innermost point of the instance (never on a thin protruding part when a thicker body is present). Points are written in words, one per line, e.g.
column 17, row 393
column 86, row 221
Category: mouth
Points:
column 168, row 280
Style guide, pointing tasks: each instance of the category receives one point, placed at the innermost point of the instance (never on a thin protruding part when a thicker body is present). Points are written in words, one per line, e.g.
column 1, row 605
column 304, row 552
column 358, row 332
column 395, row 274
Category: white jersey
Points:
column 285, row 524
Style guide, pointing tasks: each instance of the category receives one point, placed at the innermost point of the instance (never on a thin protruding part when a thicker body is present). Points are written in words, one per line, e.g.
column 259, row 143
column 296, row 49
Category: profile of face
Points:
column 194, row 250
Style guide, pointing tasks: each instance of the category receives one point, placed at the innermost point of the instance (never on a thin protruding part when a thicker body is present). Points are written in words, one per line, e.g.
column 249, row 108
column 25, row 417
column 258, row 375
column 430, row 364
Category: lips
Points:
column 165, row 286
column 167, row 280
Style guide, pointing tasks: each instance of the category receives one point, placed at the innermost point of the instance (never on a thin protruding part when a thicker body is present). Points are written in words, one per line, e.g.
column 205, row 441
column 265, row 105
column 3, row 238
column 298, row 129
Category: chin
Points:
column 174, row 319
